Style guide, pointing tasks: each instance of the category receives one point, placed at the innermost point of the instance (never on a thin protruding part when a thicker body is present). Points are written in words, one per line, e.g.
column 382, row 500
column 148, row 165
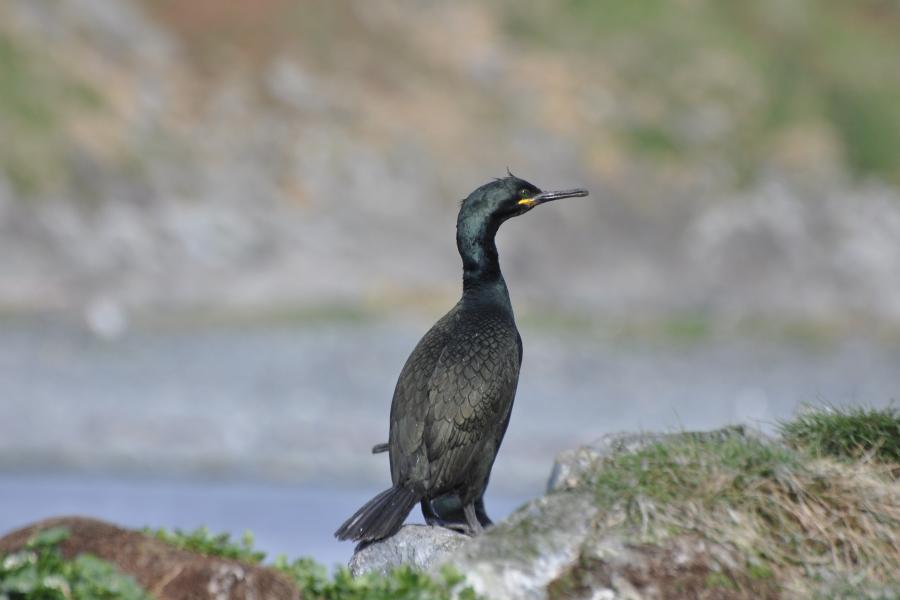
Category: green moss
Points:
column 402, row 583
column 39, row 572
column 847, row 433
column 760, row 572
column 674, row 470
column 202, row 541
column 719, row 581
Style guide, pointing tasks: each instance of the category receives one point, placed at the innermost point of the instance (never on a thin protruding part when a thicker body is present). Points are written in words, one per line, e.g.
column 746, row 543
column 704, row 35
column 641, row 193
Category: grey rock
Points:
column 612, row 566
column 418, row 546
column 519, row 557
column 564, row 537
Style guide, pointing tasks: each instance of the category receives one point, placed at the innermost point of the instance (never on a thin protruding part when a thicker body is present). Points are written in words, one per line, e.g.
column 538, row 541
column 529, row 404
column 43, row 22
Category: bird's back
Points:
column 453, row 399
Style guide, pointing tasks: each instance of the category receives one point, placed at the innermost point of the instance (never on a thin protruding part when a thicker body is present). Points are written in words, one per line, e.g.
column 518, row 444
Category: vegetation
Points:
column 39, row 572
column 763, row 75
column 202, row 541
column 793, row 516
column 35, row 98
column 742, row 83
column 847, row 433
column 403, row 583
column 312, row 578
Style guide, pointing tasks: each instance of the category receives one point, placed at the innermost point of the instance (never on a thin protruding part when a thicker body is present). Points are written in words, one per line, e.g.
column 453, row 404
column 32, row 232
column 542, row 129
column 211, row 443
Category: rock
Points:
column 418, row 546
column 681, row 567
column 168, row 573
column 563, row 546
column 520, row 556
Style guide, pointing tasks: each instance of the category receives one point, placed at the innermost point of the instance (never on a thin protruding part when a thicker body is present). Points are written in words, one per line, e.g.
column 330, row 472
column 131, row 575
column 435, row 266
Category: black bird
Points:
column 455, row 393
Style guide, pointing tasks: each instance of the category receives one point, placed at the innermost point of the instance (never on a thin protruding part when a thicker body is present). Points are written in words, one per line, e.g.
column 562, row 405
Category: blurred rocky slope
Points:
column 253, row 155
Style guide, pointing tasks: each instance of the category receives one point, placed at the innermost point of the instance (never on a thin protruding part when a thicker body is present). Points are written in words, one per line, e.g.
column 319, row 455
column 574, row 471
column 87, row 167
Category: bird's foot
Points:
column 451, row 525
column 474, row 527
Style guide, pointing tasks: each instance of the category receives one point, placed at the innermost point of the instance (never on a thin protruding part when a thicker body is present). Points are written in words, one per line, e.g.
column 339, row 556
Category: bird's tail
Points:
column 380, row 517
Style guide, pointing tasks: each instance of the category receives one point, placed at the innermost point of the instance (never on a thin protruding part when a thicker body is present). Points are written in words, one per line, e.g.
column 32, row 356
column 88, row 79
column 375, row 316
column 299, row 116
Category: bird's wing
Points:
column 409, row 407
column 509, row 413
column 470, row 395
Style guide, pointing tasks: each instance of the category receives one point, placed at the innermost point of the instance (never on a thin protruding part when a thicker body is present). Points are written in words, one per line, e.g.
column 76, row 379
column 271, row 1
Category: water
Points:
column 269, row 428
column 291, row 520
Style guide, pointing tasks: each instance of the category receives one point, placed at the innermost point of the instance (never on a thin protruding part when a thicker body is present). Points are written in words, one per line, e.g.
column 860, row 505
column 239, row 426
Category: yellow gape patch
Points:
column 527, row 201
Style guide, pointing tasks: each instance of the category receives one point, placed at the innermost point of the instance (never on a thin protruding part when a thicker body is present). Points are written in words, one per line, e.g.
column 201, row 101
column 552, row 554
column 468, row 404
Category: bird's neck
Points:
column 481, row 265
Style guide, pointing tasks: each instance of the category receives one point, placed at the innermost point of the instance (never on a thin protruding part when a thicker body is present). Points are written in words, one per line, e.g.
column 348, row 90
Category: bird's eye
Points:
column 524, row 193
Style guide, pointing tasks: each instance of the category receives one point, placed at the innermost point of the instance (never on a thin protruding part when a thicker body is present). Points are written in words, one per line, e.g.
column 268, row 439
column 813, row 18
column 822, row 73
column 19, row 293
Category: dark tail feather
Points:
column 379, row 448
column 380, row 517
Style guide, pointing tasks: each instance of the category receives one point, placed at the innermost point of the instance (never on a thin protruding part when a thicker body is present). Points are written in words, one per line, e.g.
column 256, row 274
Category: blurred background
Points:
column 224, row 226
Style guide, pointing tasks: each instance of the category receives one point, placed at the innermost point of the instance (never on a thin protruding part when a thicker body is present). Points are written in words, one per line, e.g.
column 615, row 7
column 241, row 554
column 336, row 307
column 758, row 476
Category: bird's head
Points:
column 508, row 197
column 481, row 214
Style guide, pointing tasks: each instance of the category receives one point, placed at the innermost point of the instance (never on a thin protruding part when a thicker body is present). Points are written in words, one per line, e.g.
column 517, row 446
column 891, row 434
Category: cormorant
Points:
column 455, row 393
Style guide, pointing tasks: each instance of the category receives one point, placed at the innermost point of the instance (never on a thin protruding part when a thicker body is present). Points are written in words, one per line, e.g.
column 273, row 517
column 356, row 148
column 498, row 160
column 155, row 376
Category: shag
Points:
column 453, row 399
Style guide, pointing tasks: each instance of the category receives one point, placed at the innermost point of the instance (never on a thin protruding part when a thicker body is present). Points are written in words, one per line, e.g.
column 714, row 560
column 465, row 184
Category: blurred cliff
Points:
column 259, row 155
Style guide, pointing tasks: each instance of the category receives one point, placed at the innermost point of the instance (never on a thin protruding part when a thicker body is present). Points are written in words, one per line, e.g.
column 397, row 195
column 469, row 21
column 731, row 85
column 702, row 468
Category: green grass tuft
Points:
column 401, row 584
column 847, row 433
column 201, row 541
column 39, row 572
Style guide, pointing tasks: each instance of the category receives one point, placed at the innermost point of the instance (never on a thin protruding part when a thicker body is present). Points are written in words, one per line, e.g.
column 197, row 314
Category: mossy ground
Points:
column 815, row 516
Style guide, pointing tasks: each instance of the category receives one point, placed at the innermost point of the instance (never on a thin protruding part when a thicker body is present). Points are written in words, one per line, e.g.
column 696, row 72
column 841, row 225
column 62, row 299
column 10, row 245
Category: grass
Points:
column 847, row 433
column 665, row 472
column 39, row 572
column 312, row 578
column 202, row 541
column 402, row 583
column 790, row 514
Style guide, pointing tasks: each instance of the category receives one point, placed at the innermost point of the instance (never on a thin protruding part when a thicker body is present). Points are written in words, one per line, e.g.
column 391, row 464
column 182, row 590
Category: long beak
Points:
column 548, row 196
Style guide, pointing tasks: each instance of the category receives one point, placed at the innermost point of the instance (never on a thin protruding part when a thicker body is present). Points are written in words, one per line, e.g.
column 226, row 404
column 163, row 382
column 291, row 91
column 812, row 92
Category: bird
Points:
column 454, row 396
